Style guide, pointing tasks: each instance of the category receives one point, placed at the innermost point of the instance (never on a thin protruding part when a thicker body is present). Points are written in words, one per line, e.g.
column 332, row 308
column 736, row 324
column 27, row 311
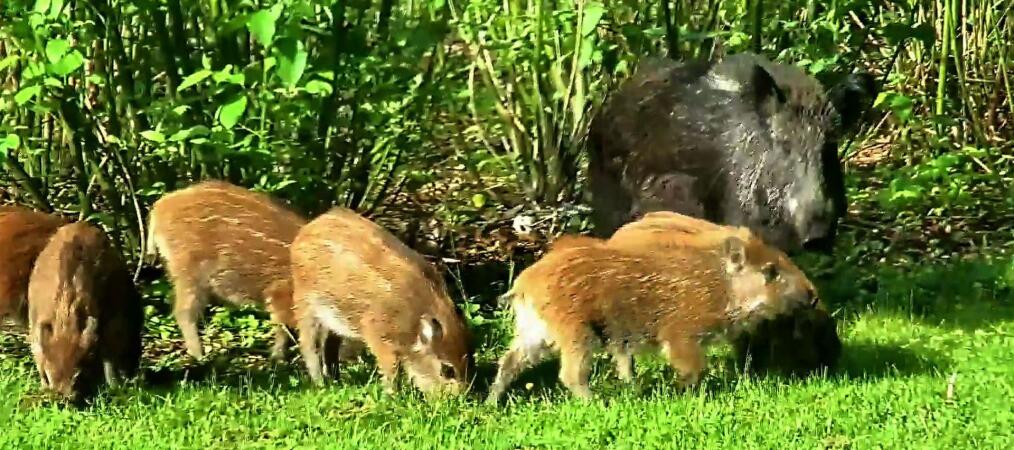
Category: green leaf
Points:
column 55, row 49
column 262, row 26
column 41, row 6
column 593, row 12
column 318, row 87
column 587, row 51
column 193, row 79
column 68, row 64
column 8, row 61
column 26, row 94
column 230, row 113
column 291, row 60
column 10, row 142
column 222, row 75
column 55, row 8
column 154, row 136
column 479, row 200
column 237, row 78
column 196, row 130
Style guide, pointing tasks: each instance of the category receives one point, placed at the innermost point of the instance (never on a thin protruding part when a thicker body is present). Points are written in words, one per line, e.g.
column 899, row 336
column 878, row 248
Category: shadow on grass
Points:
column 876, row 361
column 235, row 368
column 966, row 294
column 860, row 362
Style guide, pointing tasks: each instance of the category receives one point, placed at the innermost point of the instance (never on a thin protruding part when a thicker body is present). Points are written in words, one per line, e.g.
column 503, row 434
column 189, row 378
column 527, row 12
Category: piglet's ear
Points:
column 734, row 251
column 430, row 330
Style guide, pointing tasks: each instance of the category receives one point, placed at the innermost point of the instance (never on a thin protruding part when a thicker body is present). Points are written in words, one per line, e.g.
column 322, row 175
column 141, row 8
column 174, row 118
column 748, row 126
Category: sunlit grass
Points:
column 915, row 373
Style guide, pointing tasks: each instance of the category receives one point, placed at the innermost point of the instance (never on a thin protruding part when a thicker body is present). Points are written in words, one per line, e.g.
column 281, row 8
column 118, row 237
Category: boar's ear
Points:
column 734, row 251
column 430, row 329
column 765, row 89
column 852, row 96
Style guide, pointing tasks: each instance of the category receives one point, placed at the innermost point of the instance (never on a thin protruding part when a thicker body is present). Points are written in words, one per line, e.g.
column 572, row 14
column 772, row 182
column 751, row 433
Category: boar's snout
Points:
column 820, row 243
column 73, row 385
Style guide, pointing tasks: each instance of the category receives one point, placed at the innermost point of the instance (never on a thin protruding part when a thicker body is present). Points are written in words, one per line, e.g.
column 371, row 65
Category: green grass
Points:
column 906, row 341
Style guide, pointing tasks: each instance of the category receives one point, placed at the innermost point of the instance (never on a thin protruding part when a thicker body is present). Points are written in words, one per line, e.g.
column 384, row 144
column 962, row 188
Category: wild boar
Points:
column 23, row 234
column 355, row 279
column 219, row 239
column 740, row 141
column 801, row 341
column 578, row 297
column 85, row 314
column 794, row 344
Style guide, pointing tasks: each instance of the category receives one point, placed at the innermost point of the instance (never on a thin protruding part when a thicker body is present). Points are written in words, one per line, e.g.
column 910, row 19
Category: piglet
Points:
column 799, row 342
column 23, row 234
column 587, row 293
column 85, row 313
column 355, row 279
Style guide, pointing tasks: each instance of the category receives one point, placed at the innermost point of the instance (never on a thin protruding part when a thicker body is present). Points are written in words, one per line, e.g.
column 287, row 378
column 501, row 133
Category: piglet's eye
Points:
column 447, row 371
column 770, row 272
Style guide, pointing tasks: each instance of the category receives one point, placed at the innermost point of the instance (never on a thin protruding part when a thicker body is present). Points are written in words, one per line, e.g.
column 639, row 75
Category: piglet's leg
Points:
column 43, row 379
column 309, row 345
column 687, row 357
column 516, row 360
column 188, row 307
column 109, row 371
column 279, row 305
column 281, row 342
column 387, row 361
column 624, row 362
column 575, row 368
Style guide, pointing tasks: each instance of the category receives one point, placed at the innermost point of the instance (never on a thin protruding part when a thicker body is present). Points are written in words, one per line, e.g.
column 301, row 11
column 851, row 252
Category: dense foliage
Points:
column 105, row 105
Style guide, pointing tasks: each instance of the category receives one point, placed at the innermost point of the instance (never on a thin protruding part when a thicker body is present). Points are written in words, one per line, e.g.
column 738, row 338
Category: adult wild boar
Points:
column 85, row 314
column 740, row 141
column 23, row 234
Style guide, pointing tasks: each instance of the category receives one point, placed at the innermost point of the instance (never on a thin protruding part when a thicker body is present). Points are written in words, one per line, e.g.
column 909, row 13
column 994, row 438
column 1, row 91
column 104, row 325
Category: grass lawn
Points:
column 928, row 363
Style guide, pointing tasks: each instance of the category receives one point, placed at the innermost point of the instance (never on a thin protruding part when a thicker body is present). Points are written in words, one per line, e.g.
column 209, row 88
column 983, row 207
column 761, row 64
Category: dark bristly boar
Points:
column 85, row 313
column 355, row 279
column 222, row 240
column 794, row 344
column 580, row 296
column 802, row 341
column 23, row 234
column 740, row 141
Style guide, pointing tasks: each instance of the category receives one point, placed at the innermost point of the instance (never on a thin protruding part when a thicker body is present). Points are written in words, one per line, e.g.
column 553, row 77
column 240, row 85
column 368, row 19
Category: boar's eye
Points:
column 45, row 329
column 771, row 272
column 447, row 371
